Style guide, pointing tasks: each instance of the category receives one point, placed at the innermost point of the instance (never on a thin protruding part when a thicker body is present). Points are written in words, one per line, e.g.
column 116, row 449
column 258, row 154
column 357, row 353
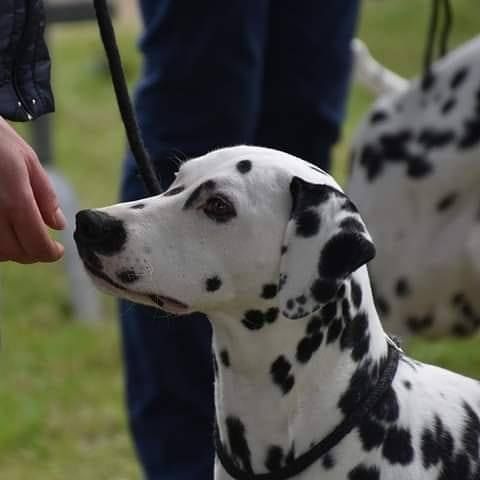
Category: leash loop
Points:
column 107, row 34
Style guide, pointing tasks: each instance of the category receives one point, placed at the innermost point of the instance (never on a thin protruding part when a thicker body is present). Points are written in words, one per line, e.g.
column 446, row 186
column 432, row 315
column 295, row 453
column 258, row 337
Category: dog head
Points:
column 238, row 225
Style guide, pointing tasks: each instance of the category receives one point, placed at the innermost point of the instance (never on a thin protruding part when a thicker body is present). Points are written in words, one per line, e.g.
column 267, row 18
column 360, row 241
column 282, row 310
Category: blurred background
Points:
column 61, row 397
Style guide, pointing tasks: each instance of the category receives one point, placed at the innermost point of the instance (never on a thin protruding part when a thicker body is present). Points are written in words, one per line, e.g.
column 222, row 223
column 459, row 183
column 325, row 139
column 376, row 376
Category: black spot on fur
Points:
column 127, row 276
column 362, row 472
column 461, row 330
column 213, row 284
column 466, row 310
column 356, row 292
column 244, row 166
column 418, row 167
column 308, row 346
column 431, row 138
column 269, row 291
column 471, row 133
column 471, row 319
column 314, row 325
column 302, row 299
column 346, row 310
column 283, row 250
column 471, row 432
column 138, row 206
column 271, row 315
column 174, row 191
column 290, row 304
column 397, row 447
column 240, row 450
column 346, row 338
column 334, row 330
column 356, row 390
column 349, row 206
column 458, row 298
column 446, row 202
column 351, row 224
column 407, row 384
column 328, row 462
column 256, row 319
column 253, row 319
column 344, row 253
column 448, row 106
column 274, row 458
column 458, row 77
column 436, row 444
column 394, row 145
column 328, row 312
column 372, row 159
column 306, row 195
column 418, row 324
column 280, row 372
column 382, row 305
column 378, row 116
column 371, row 433
column 360, row 336
column 195, row 195
column 225, row 358
column 323, row 290
column 308, row 223
column 402, row 288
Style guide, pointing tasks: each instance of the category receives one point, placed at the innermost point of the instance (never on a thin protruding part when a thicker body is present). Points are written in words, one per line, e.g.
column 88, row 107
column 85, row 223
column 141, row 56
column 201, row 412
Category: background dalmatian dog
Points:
column 274, row 253
column 415, row 176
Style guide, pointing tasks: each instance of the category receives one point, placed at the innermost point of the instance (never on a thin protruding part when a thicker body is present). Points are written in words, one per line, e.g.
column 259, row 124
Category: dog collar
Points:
column 305, row 460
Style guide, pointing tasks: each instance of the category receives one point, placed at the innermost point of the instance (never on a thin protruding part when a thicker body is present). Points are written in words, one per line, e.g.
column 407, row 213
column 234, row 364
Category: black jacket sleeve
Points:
column 25, row 91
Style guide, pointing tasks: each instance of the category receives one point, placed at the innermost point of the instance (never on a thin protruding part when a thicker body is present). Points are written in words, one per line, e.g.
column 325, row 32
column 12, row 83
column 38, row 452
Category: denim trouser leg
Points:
column 218, row 73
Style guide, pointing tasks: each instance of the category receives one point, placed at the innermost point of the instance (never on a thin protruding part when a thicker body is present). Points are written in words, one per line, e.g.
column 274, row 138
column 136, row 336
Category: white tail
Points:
column 371, row 74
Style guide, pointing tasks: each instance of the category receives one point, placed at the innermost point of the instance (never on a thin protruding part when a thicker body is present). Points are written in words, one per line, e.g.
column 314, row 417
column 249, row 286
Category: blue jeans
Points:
column 219, row 73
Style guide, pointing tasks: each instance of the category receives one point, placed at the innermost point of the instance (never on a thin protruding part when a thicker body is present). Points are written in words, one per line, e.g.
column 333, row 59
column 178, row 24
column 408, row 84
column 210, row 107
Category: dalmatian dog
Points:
column 272, row 250
column 414, row 175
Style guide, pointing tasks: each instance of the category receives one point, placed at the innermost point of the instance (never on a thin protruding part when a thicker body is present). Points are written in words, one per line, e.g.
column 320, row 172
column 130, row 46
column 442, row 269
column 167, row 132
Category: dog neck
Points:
column 282, row 385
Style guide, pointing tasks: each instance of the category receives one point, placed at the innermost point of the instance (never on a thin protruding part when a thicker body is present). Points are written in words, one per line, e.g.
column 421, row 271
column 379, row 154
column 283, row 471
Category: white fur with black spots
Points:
column 415, row 175
column 291, row 361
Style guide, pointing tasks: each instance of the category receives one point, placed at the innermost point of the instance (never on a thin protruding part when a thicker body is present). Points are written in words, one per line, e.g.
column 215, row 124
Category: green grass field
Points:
column 61, row 399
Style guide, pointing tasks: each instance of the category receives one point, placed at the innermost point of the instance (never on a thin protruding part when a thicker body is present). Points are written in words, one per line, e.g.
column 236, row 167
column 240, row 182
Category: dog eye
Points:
column 219, row 209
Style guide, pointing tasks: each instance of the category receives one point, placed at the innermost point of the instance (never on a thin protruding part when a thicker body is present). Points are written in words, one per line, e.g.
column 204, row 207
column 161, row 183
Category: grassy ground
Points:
column 61, row 407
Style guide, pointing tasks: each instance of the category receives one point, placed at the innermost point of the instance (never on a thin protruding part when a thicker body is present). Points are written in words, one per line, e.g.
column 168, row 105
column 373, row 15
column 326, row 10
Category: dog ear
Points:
column 325, row 241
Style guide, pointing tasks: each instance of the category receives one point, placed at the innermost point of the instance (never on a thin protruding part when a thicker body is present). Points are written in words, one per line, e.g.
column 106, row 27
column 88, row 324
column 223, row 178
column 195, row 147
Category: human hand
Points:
column 28, row 203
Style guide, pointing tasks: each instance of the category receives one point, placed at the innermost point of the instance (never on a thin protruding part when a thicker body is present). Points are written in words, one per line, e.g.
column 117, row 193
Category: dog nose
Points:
column 100, row 232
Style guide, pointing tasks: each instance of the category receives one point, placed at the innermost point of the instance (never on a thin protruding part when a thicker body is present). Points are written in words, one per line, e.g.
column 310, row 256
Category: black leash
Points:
column 305, row 460
column 107, row 33
column 428, row 57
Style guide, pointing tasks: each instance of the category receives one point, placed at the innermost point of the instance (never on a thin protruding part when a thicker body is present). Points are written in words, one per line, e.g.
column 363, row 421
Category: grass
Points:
column 61, row 400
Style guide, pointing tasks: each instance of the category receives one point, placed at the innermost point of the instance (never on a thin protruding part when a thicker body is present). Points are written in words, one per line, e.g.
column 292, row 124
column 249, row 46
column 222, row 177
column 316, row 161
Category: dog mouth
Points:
column 162, row 301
